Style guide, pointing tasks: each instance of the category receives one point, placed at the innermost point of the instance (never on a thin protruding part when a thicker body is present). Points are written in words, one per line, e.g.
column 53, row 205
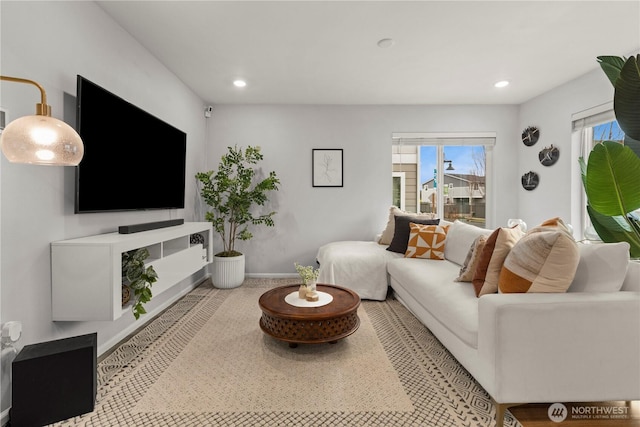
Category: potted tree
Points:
column 611, row 176
column 233, row 192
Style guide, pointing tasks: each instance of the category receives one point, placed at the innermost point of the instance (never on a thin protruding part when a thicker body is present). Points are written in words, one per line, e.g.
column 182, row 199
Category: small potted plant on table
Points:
column 309, row 276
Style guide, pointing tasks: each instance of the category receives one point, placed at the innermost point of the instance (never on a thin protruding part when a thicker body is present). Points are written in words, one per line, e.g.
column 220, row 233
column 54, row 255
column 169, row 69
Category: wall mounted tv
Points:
column 132, row 160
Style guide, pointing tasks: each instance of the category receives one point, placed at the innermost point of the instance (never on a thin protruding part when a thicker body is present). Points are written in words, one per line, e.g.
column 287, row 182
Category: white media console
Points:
column 86, row 272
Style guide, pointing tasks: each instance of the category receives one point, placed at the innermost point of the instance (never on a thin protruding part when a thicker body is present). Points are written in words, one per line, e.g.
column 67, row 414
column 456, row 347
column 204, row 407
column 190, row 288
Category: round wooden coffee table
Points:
column 311, row 325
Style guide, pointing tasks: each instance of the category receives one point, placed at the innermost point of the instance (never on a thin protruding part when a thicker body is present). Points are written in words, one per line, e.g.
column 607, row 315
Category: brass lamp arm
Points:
column 42, row 109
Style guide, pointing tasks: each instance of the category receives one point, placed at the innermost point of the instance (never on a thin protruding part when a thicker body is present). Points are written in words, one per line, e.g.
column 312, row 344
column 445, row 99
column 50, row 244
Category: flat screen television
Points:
column 132, row 160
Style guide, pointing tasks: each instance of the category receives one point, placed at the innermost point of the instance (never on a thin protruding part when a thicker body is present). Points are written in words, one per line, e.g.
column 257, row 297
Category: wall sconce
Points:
column 40, row 139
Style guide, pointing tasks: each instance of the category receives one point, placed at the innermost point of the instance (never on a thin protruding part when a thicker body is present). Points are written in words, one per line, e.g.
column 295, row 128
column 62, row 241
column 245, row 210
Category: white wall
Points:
column 309, row 217
column 52, row 42
column 560, row 184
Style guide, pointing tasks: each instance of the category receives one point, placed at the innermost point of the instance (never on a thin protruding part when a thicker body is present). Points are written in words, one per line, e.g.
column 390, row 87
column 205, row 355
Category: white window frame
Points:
column 400, row 175
column 581, row 145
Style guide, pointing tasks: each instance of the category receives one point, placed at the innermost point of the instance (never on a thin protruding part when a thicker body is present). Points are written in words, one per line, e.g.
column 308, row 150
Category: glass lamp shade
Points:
column 41, row 140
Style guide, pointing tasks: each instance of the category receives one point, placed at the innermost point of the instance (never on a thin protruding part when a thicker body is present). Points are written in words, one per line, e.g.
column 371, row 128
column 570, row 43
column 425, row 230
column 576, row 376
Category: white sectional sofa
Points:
column 358, row 265
column 582, row 345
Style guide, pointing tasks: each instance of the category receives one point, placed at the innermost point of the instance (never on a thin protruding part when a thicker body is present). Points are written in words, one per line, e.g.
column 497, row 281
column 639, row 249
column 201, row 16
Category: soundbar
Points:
column 136, row 228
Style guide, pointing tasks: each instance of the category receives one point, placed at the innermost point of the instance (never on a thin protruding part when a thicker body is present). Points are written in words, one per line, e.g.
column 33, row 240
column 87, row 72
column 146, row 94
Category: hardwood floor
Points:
column 590, row 414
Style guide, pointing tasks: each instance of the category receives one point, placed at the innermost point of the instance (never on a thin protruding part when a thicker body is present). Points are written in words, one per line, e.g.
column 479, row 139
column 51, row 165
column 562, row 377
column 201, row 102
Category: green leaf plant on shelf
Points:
column 611, row 176
column 139, row 278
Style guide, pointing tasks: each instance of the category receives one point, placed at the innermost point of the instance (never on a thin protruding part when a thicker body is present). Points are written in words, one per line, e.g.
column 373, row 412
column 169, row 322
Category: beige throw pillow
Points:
column 496, row 249
column 389, row 231
column 544, row 260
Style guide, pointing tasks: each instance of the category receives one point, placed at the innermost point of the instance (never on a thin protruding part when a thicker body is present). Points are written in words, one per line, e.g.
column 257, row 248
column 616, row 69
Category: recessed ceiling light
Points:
column 384, row 43
column 239, row 83
column 502, row 83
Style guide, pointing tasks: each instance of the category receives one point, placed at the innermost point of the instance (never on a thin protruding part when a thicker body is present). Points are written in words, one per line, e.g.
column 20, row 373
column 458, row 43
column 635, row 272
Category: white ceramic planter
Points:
column 228, row 272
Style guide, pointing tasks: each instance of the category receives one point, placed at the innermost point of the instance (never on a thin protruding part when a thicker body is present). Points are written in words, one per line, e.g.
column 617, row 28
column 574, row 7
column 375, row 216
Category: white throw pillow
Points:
column 459, row 239
column 602, row 267
column 632, row 279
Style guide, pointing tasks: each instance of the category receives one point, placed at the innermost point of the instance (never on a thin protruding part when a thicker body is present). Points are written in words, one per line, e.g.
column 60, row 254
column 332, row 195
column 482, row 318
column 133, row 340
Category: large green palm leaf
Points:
column 612, row 229
column 612, row 183
column 624, row 75
column 613, row 179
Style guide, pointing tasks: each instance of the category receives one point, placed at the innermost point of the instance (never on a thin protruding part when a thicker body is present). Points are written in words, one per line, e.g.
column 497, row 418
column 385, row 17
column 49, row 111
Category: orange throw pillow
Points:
column 426, row 241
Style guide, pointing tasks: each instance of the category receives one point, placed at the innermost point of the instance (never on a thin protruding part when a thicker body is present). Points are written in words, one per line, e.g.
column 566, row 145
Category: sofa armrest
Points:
column 560, row 347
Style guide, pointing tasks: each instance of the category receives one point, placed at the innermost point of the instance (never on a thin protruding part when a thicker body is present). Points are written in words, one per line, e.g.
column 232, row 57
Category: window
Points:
column 609, row 131
column 463, row 179
column 590, row 128
column 399, row 189
column 446, row 174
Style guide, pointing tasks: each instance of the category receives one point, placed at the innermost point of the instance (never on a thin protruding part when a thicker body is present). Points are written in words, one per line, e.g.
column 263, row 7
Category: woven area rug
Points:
column 206, row 362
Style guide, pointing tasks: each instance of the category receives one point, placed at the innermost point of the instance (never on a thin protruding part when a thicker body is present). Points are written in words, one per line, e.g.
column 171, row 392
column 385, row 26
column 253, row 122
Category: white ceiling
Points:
column 325, row 52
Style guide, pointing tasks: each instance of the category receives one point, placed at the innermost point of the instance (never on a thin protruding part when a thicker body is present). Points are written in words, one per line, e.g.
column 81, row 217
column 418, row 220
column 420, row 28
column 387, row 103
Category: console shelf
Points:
column 86, row 272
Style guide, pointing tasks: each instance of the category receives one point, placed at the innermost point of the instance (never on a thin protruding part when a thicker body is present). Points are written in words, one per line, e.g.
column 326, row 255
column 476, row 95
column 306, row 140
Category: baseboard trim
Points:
column 4, row 417
column 271, row 275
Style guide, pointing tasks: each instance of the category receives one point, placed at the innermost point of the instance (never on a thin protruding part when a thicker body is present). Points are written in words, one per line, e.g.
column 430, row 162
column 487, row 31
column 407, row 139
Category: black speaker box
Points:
column 53, row 381
column 136, row 228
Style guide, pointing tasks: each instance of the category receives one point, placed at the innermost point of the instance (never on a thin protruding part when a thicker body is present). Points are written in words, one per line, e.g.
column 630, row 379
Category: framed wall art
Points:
column 326, row 167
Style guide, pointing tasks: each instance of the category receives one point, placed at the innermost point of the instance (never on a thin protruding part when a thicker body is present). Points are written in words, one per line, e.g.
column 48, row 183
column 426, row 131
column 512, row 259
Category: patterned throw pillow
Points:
column 544, row 260
column 426, row 241
column 496, row 249
column 471, row 262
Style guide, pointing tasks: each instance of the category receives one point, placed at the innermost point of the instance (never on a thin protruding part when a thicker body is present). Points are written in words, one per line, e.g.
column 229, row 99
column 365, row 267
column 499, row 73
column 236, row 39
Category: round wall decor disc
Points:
column 549, row 155
column 530, row 180
column 530, row 136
